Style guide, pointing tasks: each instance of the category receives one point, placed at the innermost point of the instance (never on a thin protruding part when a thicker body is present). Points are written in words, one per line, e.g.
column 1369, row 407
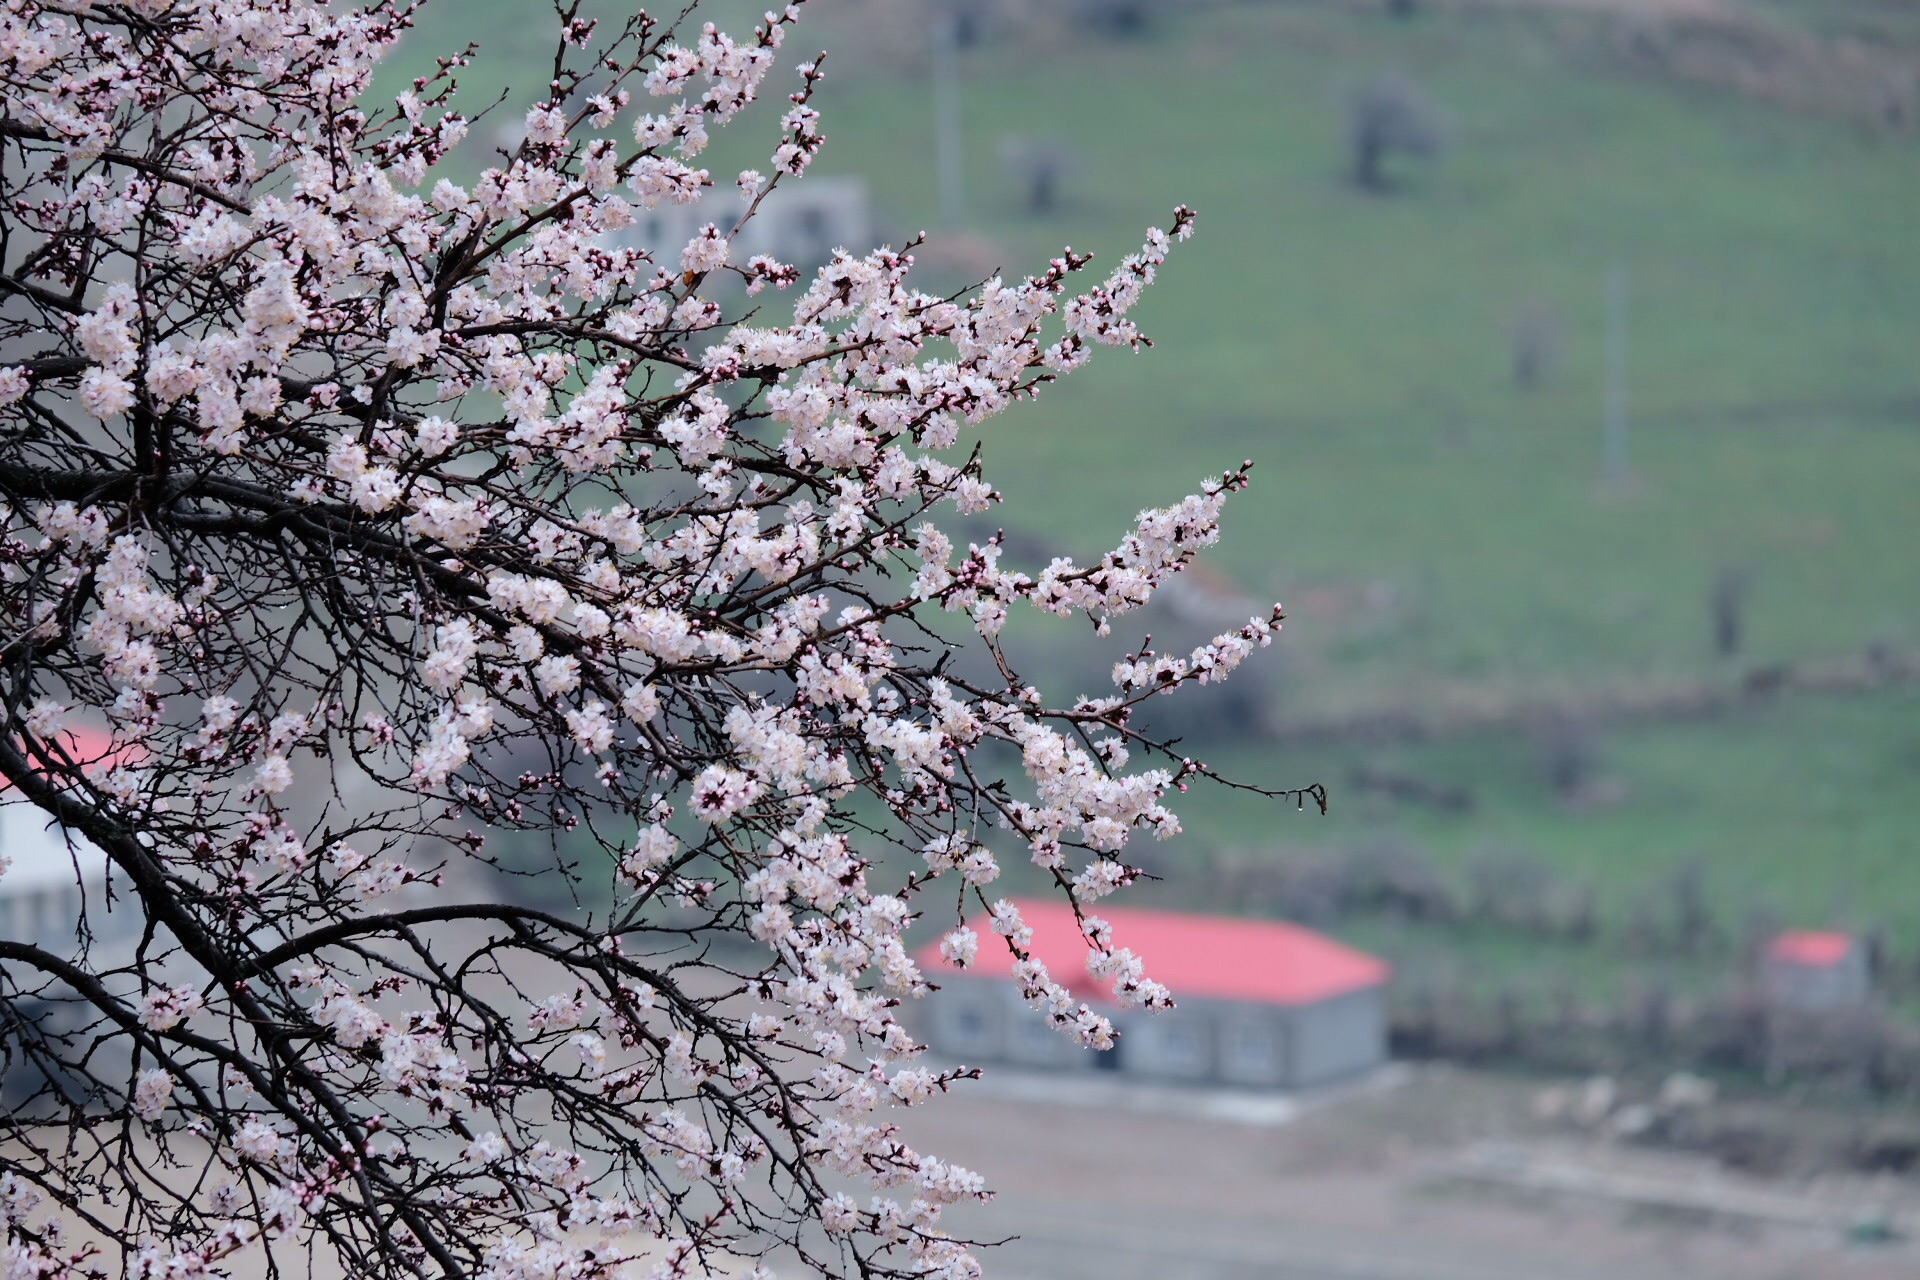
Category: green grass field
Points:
column 1806, row 808
column 1357, row 348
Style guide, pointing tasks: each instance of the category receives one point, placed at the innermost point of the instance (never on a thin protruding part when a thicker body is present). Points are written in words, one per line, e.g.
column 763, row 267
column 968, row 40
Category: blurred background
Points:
column 1573, row 342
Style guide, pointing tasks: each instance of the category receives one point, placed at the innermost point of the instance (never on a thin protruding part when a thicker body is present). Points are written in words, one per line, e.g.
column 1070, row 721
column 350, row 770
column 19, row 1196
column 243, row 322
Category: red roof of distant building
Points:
column 1218, row 957
column 1812, row 947
column 92, row 750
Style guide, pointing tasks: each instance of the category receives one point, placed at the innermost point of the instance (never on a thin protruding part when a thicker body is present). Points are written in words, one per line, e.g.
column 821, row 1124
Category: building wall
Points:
column 983, row 1020
column 51, row 881
column 49, row 878
column 1255, row 1045
column 965, row 1019
column 1337, row 1038
column 1791, row 985
column 1258, row 1045
column 1178, row 1045
column 1030, row 1040
column 801, row 223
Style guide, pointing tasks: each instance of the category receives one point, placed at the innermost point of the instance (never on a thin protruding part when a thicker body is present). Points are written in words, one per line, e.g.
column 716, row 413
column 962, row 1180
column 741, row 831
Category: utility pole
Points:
column 949, row 155
column 1616, row 374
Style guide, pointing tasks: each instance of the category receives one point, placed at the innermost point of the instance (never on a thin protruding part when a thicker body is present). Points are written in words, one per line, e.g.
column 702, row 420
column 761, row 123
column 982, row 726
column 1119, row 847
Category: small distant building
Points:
column 52, row 876
column 798, row 222
column 1813, row 971
column 804, row 222
column 50, row 872
column 1260, row 1003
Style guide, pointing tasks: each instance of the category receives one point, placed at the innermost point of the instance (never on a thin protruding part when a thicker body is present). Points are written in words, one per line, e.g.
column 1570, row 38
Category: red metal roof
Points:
column 1814, row 948
column 92, row 750
column 1218, row 957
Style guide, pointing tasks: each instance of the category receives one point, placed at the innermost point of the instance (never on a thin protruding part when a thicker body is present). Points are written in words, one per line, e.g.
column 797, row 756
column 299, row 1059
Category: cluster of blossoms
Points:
column 390, row 525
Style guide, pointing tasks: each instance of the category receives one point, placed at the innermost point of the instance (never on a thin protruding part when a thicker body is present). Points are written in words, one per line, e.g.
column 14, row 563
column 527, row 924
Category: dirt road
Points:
column 1353, row 1191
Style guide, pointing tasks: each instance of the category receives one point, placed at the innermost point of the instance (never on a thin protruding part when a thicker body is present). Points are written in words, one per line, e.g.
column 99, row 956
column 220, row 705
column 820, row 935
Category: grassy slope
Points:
column 1356, row 348
column 1806, row 808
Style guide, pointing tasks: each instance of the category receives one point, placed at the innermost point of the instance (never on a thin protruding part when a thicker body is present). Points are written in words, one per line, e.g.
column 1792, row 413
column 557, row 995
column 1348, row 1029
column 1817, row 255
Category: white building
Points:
column 50, row 873
column 799, row 222
column 1814, row 971
column 1260, row 1003
column 51, row 878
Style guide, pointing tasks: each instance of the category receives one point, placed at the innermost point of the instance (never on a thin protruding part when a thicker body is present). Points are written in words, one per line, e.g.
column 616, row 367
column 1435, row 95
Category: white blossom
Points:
column 151, row 1094
column 482, row 540
column 166, row 1007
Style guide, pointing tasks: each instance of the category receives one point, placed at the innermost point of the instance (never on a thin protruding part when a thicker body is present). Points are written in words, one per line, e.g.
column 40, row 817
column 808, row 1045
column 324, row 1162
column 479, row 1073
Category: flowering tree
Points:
column 372, row 516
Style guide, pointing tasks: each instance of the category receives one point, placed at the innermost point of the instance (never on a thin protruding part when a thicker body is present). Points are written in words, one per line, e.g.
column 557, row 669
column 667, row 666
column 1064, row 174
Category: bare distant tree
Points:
column 1039, row 165
column 1568, row 752
column 1116, row 17
column 1727, row 606
column 973, row 21
column 1390, row 116
column 1899, row 97
column 1535, row 338
column 1689, row 902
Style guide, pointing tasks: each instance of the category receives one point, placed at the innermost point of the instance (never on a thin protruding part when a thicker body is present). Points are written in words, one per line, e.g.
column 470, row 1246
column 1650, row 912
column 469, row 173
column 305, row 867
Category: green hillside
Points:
column 1431, row 526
